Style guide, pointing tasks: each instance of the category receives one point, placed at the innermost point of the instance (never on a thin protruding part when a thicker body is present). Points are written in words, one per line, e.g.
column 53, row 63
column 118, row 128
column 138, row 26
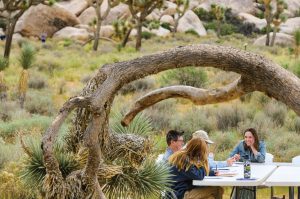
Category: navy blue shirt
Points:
column 183, row 180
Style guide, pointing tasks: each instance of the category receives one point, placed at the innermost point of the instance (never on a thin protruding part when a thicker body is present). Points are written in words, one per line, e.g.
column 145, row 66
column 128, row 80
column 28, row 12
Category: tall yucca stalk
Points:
column 26, row 60
column 297, row 42
column 3, row 87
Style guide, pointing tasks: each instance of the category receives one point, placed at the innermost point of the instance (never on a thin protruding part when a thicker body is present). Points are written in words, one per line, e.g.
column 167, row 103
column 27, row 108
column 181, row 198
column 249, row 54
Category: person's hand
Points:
column 237, row 157
column 230, row 161
column 217, row 172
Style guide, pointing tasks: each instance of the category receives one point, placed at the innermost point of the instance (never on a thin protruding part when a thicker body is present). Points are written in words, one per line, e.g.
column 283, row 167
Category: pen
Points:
column 216, row 167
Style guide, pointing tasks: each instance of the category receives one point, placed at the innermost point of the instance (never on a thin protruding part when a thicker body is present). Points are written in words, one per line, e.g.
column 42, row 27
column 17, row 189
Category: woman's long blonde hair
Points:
column 195, row 153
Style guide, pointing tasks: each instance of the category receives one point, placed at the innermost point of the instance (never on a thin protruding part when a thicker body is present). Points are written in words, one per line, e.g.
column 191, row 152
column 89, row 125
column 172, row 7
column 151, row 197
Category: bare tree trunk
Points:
column 98, row 25
column 138, row 44
column 10, row 27
column 125, row 40
column 218, row 28
column 274, row 35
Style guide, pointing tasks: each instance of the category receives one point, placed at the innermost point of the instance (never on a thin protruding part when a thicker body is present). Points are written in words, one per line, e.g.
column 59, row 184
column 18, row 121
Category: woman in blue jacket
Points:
column 191, row 164
column 255, row 151
column 250, row 147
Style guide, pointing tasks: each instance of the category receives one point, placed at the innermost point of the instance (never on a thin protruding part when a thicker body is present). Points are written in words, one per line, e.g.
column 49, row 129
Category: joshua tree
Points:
column 13, row 10
column 218, row 12
column 100, row 17
column 182, row 6
column 90, row 126
column 3, row 87
column 278, row 18
column 139, row 10
column 26, row 60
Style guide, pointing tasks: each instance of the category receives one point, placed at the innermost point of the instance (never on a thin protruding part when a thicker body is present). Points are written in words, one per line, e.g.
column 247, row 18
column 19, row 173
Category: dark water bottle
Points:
column 247, row 167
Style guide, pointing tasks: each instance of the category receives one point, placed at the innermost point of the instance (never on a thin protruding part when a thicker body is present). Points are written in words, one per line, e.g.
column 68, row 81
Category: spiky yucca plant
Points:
column 34, row 171
column 141, row 125
column 26, row 60
column 148, row 181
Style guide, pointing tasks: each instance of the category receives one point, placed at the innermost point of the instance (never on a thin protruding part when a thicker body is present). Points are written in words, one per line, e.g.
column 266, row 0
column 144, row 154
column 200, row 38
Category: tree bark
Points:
column 197, row 95
column 10, row 27
column 93, row 107
column 98, row 25
column 138, row 44
column 274, row 35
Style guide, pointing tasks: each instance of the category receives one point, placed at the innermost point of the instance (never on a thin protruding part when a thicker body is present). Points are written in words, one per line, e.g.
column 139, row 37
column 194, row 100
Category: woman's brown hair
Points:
column 256, row 140
column 195, row 153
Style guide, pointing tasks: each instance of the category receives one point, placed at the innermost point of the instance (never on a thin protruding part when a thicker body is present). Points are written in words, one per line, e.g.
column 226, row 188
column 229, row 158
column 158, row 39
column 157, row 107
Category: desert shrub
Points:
column 247, row 29
column 8, row 153
column 226, row 28
column 203, row 14
column 147, row 35
column 9, row 129
column 166, row 26
column 229, row 116
column 276, row 111
column 224, row 143
column 260, row 99
column 190, row 76
column 138, row 85
column 39, row 102
column 161, row 114
column 48, row 65
column 11, row 185
column 154, row 24
column 192, row 121
column 37, row 82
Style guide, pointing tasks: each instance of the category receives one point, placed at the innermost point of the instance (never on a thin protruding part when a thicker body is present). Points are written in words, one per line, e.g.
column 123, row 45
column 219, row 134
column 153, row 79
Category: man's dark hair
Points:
column 173, row 135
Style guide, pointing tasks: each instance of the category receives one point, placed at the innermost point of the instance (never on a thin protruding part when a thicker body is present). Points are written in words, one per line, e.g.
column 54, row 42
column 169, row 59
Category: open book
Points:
column 227, row 173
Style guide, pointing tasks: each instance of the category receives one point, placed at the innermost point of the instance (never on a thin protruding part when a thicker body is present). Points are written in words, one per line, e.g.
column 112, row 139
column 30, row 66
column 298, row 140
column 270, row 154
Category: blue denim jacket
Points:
column 260, row 157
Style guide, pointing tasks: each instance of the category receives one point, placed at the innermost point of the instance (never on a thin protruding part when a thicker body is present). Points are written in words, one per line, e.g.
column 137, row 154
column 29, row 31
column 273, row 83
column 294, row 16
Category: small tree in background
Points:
column 278, row 18
column 140, row 9
column 96, row 4
column 297, row 43
column 26, row 60
column 3, row 87
column 122, row 30
column 219, row 13
column 182, row 6
column 13, row 10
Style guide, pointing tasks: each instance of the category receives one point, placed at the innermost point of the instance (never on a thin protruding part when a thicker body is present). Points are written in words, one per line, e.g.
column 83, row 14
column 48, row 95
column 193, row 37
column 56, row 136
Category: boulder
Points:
column 107, row 31
column 133, row 32
column 155, row 15
column 73, row 33
column 87, row 16
column 281, row 40
column 167, row 19
column 237, row 6
column 170, row 8
column 161, row 32
column 293, row 7
column 193, row 4
column 290, row 26
column 259, row 23
column 190, row 21
column 42, row 19
column 75, row 6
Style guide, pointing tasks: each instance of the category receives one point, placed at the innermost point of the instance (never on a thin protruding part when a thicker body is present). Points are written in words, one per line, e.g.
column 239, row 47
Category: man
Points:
column 213, row 164
column 175, row 142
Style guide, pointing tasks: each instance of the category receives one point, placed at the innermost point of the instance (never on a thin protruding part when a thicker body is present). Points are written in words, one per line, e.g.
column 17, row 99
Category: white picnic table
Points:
column 286, row 176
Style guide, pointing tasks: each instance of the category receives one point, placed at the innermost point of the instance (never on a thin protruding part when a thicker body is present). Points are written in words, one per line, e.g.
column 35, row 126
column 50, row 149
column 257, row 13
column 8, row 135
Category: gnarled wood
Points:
column 197, row 95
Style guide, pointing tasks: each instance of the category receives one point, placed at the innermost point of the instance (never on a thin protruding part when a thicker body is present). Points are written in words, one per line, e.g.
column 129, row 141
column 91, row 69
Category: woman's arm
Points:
column 195, row 174
column 235, row 150
column 261, row 154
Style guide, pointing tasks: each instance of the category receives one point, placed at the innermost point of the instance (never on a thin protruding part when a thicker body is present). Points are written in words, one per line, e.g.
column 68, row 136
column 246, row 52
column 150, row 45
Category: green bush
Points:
column 9, row 129
column 154, row 24
column 203, row 14
column 39, row 102
column 147, row 35
column 226, row 28
column 9, row 153
column 37, row 82
column 192, row 32
column 166, row 26
column 189, row 76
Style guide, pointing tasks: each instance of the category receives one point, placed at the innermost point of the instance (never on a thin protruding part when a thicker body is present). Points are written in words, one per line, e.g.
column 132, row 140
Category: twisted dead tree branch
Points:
column 90, row 125
column 197, row 95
